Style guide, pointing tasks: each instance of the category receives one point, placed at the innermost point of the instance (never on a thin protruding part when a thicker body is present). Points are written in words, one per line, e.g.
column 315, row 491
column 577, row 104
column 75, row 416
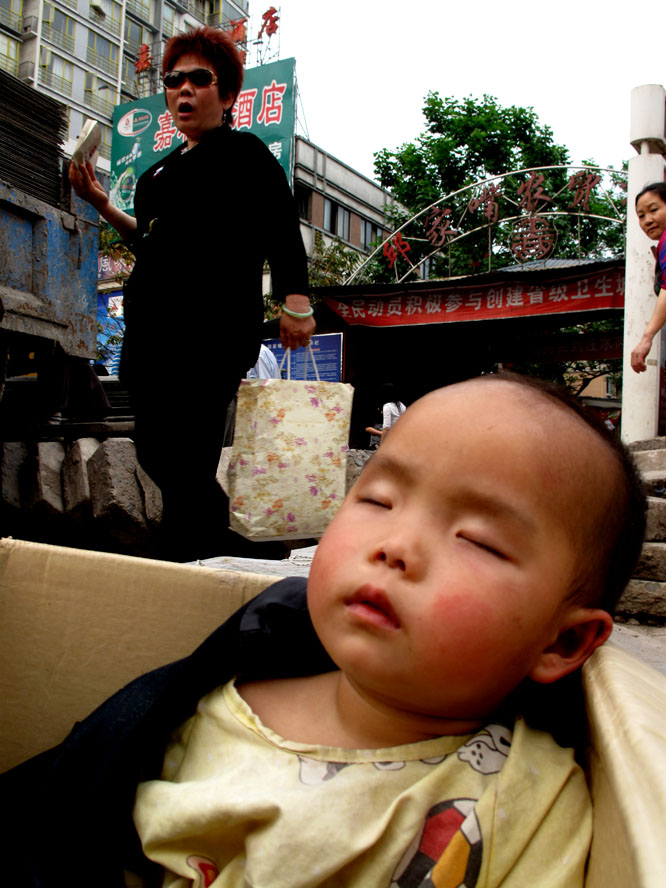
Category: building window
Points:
column 55, row 72
column 11, row 12
column 9, row 54
column 168, row 20
column 303, row 196
column 102, row 53
column 426, row 268
column 99, row 95
column 58, row 28
column 105, row 144
column 136, row 35
column 106, row 14
column 336, row 219
column 130, row 85
column 371, row 234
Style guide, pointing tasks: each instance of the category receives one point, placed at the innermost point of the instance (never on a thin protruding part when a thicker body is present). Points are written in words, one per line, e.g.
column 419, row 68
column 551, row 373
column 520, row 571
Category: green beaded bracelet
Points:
column 297, row 314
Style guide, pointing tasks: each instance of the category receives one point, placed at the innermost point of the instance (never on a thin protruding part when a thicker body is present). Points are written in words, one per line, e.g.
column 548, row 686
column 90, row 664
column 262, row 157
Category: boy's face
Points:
column 445, row 575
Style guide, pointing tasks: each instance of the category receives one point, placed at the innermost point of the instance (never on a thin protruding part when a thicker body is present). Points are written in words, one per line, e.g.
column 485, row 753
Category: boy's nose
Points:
column 391, row 560
column 401, row 552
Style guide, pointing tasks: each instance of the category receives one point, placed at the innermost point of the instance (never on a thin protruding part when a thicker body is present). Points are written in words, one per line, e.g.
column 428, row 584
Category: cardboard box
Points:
column 77, row 625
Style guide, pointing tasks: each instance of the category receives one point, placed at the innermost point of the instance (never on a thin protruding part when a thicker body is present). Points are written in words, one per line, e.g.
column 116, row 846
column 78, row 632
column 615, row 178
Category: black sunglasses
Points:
column 197, row 77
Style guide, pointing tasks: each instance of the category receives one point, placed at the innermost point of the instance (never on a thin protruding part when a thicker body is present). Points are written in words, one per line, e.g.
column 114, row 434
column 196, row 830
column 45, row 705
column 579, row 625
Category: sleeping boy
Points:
column 388, row 742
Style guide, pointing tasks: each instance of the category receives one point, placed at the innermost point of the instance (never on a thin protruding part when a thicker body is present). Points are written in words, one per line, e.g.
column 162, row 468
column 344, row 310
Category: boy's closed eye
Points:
column 382, row 502
column 484, row 545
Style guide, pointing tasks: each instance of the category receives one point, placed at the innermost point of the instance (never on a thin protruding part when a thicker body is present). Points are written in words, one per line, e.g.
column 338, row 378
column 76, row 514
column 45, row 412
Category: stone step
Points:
column 652, row 563
column 651, row 460
column 656, row 519
column 645, row 601
column 655, row 482
column 647, row 444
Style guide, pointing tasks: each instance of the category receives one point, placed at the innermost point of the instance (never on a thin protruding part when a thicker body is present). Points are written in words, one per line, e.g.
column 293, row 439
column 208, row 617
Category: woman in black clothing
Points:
column 206, row 218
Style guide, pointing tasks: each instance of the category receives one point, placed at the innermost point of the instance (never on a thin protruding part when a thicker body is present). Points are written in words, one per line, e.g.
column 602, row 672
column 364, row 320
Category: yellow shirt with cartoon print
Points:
column 239, row 806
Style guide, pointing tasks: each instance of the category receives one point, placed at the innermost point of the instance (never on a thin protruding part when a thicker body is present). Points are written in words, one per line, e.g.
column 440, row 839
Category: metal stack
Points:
column 33, row 128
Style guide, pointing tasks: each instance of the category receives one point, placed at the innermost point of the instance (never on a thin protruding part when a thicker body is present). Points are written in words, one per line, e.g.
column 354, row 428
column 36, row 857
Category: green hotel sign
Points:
column 143, row 130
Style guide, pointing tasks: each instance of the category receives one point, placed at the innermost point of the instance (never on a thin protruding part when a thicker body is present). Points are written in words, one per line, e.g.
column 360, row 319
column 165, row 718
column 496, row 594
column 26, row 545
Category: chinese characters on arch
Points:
column 521, row 202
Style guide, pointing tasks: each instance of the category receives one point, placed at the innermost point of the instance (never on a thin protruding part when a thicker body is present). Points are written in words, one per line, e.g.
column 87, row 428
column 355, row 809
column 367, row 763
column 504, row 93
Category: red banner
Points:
column 513, row 299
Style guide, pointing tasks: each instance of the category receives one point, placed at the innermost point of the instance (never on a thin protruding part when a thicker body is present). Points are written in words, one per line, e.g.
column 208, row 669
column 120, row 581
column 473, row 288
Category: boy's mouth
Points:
column 371, row 603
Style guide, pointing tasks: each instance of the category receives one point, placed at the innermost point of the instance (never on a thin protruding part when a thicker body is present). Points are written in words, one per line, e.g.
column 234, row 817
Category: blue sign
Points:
column 327, row 350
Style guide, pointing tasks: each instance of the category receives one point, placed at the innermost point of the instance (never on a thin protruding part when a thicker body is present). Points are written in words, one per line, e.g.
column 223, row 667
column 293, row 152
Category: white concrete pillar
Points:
column 641, row 391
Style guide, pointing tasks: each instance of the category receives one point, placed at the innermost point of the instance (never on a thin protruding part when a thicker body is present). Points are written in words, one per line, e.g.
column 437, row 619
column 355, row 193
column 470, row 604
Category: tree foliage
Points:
column 468, row 141
column 331, row 264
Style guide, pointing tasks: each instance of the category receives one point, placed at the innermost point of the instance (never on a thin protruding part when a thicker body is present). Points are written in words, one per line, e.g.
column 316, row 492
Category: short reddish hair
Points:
column 217, row 48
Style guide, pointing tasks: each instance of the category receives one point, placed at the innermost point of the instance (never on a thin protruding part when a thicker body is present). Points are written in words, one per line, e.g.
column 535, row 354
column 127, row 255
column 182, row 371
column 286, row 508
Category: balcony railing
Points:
column 105, row 151
column 54, row 81
column 73, row 4
column 104, row 22
column 195, row 8
column 10, row 19
column 97, row 103
column 133, row 46
column 58, row 38
column 8, row 64
column 142, row 10
column 102, row 61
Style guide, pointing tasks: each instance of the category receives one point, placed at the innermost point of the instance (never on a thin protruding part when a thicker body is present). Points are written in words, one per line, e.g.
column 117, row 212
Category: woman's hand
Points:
column 640, row 353
column 296, row 332
column 85, row 184
column 89, row 189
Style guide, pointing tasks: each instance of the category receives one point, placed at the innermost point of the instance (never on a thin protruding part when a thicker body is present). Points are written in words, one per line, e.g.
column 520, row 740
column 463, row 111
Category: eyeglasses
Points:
column 197, row 77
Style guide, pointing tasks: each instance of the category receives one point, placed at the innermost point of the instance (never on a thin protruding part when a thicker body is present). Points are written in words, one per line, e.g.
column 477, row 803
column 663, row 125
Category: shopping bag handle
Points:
column 287, row 357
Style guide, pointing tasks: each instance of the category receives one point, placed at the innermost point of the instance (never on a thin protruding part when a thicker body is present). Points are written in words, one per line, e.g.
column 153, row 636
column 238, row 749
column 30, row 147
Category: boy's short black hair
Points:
column 621, row 531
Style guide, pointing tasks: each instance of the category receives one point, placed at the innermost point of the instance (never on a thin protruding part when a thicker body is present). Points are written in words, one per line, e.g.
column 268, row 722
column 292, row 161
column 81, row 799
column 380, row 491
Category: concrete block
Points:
column 152, row 496
column 13, row 455
column 656, row 519
column 114, row 489
column 75, row 484
column 44, row 470
column 645, row 600
column 652, row 563
column 650, row 460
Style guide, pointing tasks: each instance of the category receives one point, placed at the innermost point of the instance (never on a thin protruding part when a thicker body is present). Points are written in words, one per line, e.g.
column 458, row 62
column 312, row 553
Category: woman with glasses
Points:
column 206, row 218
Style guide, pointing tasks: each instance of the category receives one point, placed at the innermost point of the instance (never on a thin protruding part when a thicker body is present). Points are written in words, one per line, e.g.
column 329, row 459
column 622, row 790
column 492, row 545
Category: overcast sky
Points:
column 364, row 67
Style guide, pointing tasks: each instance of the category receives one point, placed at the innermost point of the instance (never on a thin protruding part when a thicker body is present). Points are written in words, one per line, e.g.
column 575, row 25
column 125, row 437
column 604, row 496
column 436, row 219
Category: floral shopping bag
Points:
column 288, row 460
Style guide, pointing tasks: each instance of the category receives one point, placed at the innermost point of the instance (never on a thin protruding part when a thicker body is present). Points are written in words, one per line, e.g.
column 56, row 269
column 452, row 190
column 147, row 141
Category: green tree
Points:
column 330, row 265
column 467, row 141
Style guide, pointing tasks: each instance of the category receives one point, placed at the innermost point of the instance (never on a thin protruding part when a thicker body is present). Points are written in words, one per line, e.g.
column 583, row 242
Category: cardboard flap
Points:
column 78, row 625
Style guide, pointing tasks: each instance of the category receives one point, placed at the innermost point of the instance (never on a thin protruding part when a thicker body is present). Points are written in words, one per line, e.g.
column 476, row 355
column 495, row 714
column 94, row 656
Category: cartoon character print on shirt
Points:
column 313, row 772
column 447, row 853
column 205, row 869
column 487, row 751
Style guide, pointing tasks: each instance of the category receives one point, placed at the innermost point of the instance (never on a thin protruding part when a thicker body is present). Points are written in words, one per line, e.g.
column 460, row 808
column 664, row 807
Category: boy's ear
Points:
column 583, row 631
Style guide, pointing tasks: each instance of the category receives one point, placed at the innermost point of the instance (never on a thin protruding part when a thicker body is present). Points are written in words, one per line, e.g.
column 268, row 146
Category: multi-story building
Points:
column 94, row 54
column 336, row 200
